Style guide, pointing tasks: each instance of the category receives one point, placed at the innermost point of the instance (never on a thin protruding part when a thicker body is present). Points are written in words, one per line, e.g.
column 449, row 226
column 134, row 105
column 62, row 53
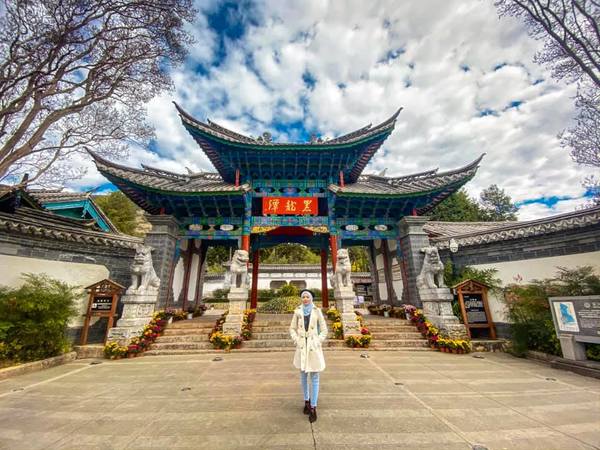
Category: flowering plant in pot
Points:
column 333, row 314
column 361, row 341
column 433, row 341
column 113, row 350
column 200, row 310
column 338, row 330
column 132, row 350
column 249, row 315
column 225, row 342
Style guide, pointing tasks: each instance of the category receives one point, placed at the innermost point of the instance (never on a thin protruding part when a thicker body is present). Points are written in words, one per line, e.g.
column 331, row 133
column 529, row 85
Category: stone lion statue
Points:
column 143, row 276
column 238, row 270
column 432, row 271
column 343, row 270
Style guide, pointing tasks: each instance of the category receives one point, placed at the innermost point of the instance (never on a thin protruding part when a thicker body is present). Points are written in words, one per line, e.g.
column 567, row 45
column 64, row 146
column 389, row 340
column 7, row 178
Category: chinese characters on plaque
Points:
column 294, row 206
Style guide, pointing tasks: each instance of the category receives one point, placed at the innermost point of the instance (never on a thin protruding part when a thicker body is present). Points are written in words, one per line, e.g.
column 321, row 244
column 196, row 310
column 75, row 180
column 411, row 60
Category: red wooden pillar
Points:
column 254, row 292
column 246, row 242
column 324, row 292
column 333, row 245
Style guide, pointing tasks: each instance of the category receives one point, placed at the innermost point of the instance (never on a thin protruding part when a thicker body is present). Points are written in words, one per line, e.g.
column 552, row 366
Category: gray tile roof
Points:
column 410, row 184
column 506, row 231
column 40, row 223
column 449, row 229
column 221, row 132
column 49, row 196
column 167, row 181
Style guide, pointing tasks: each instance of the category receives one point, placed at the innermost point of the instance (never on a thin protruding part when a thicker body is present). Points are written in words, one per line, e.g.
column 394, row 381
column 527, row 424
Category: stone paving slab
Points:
column 391, row 400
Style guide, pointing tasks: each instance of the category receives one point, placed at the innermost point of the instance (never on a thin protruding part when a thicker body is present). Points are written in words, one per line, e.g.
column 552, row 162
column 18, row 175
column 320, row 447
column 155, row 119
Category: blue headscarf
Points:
column 307, row 309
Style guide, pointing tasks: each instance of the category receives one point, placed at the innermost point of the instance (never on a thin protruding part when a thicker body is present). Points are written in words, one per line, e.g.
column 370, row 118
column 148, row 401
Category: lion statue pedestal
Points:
column 238, row 293
column 436, row 297
column 344, row 293
column 139, row 300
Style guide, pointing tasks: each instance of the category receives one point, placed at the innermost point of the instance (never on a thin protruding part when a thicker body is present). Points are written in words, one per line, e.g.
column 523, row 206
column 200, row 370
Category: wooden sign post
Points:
column 103, row 299
column 473, row 301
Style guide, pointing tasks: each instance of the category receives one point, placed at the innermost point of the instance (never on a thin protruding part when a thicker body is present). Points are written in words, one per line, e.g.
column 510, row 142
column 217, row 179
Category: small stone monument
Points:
column 436, row 297
column 238, row 293
column 344, row 294
column 139, row 299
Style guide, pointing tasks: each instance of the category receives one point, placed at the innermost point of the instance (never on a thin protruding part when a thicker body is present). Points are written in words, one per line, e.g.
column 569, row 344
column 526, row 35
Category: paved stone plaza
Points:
column 412, row 400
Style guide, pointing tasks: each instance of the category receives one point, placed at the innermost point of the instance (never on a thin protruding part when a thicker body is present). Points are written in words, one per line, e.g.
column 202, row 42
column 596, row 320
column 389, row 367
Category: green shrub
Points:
column 264, row 295
column 529, row 312
column 593, row 351
column 220, row 294
column 280, row 305
column 288, row 290
column 34, row 317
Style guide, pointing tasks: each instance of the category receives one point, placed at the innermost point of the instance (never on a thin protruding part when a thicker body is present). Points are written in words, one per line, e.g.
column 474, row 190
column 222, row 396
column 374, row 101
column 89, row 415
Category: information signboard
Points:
column 475, row 308
column 102, row 304
column 577, row 316
column 472, row 299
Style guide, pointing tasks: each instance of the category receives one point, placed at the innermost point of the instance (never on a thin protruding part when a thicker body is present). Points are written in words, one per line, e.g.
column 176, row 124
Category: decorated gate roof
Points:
column 261, row 158
column 288, row 169
column 396, row 197
column 157, row 190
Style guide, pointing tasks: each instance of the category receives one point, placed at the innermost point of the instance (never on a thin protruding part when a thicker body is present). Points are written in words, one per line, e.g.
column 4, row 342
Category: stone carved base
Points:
column 137, row 312
column 344, row 300
column 122, row 335
column 237, row 304
column 437, row 307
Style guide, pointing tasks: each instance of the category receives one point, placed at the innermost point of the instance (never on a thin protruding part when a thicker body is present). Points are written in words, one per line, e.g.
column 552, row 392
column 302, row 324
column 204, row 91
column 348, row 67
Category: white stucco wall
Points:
column 532, row 269
column 177, row 281
column 13, row 267
column 193, row 277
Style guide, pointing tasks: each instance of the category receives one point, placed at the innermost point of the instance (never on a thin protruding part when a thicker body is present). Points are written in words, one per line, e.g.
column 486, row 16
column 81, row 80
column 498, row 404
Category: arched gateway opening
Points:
column 308, row 237
column 264, row 192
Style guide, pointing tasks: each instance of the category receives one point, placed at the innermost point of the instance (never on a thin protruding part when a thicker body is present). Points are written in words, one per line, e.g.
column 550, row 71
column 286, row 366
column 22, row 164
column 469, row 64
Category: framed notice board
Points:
column 103, row 298
column 475, row 311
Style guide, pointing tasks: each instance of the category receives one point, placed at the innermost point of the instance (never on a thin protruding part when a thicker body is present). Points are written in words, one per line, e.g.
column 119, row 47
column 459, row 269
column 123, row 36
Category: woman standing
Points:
column 308, row 331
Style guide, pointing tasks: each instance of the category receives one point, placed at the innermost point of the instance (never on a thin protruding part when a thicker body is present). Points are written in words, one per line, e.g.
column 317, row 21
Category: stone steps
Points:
column 274, row 335
column 385, row 329
column 282, row 349
column 399, row 343
column 374, row 320
column 182, row 338
column 181, row 346
column 199, row 322
column 394, row 335
column 187, row 331
column 270, row 333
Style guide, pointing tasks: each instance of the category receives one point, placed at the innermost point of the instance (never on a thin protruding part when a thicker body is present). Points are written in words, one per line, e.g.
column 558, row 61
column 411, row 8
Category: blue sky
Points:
column 465, row 78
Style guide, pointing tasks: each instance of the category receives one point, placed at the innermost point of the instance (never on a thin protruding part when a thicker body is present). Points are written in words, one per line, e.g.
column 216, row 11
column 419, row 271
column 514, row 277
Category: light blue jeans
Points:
column 314, row 378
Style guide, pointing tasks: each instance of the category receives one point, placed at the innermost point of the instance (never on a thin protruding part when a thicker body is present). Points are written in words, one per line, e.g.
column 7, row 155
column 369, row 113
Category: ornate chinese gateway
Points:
column 264, row 193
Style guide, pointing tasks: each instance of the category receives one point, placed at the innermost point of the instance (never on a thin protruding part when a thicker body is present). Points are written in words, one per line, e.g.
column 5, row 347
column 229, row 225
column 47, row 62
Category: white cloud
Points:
column 444, row 62
column 537, row 210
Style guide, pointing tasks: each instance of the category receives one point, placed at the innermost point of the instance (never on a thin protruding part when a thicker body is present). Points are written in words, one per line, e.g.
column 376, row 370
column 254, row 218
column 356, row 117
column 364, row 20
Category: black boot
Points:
column 306, row 406
column 312, row 416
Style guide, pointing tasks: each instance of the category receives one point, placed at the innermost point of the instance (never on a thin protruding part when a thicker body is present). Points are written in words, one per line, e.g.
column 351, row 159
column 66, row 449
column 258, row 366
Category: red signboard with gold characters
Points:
column 290, row 206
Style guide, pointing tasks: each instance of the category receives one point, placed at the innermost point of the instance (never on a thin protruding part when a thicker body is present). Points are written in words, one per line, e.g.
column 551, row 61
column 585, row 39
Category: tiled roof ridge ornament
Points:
column 265, row 138
column 517, row 230
column 230, row 135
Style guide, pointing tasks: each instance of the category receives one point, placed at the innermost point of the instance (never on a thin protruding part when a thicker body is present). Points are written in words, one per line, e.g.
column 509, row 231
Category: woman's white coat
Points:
column 309, row 353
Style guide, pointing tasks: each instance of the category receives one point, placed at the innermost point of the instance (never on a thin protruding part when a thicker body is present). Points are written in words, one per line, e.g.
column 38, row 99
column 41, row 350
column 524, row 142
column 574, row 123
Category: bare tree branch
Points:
column 570, row 31
column 75, row 73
